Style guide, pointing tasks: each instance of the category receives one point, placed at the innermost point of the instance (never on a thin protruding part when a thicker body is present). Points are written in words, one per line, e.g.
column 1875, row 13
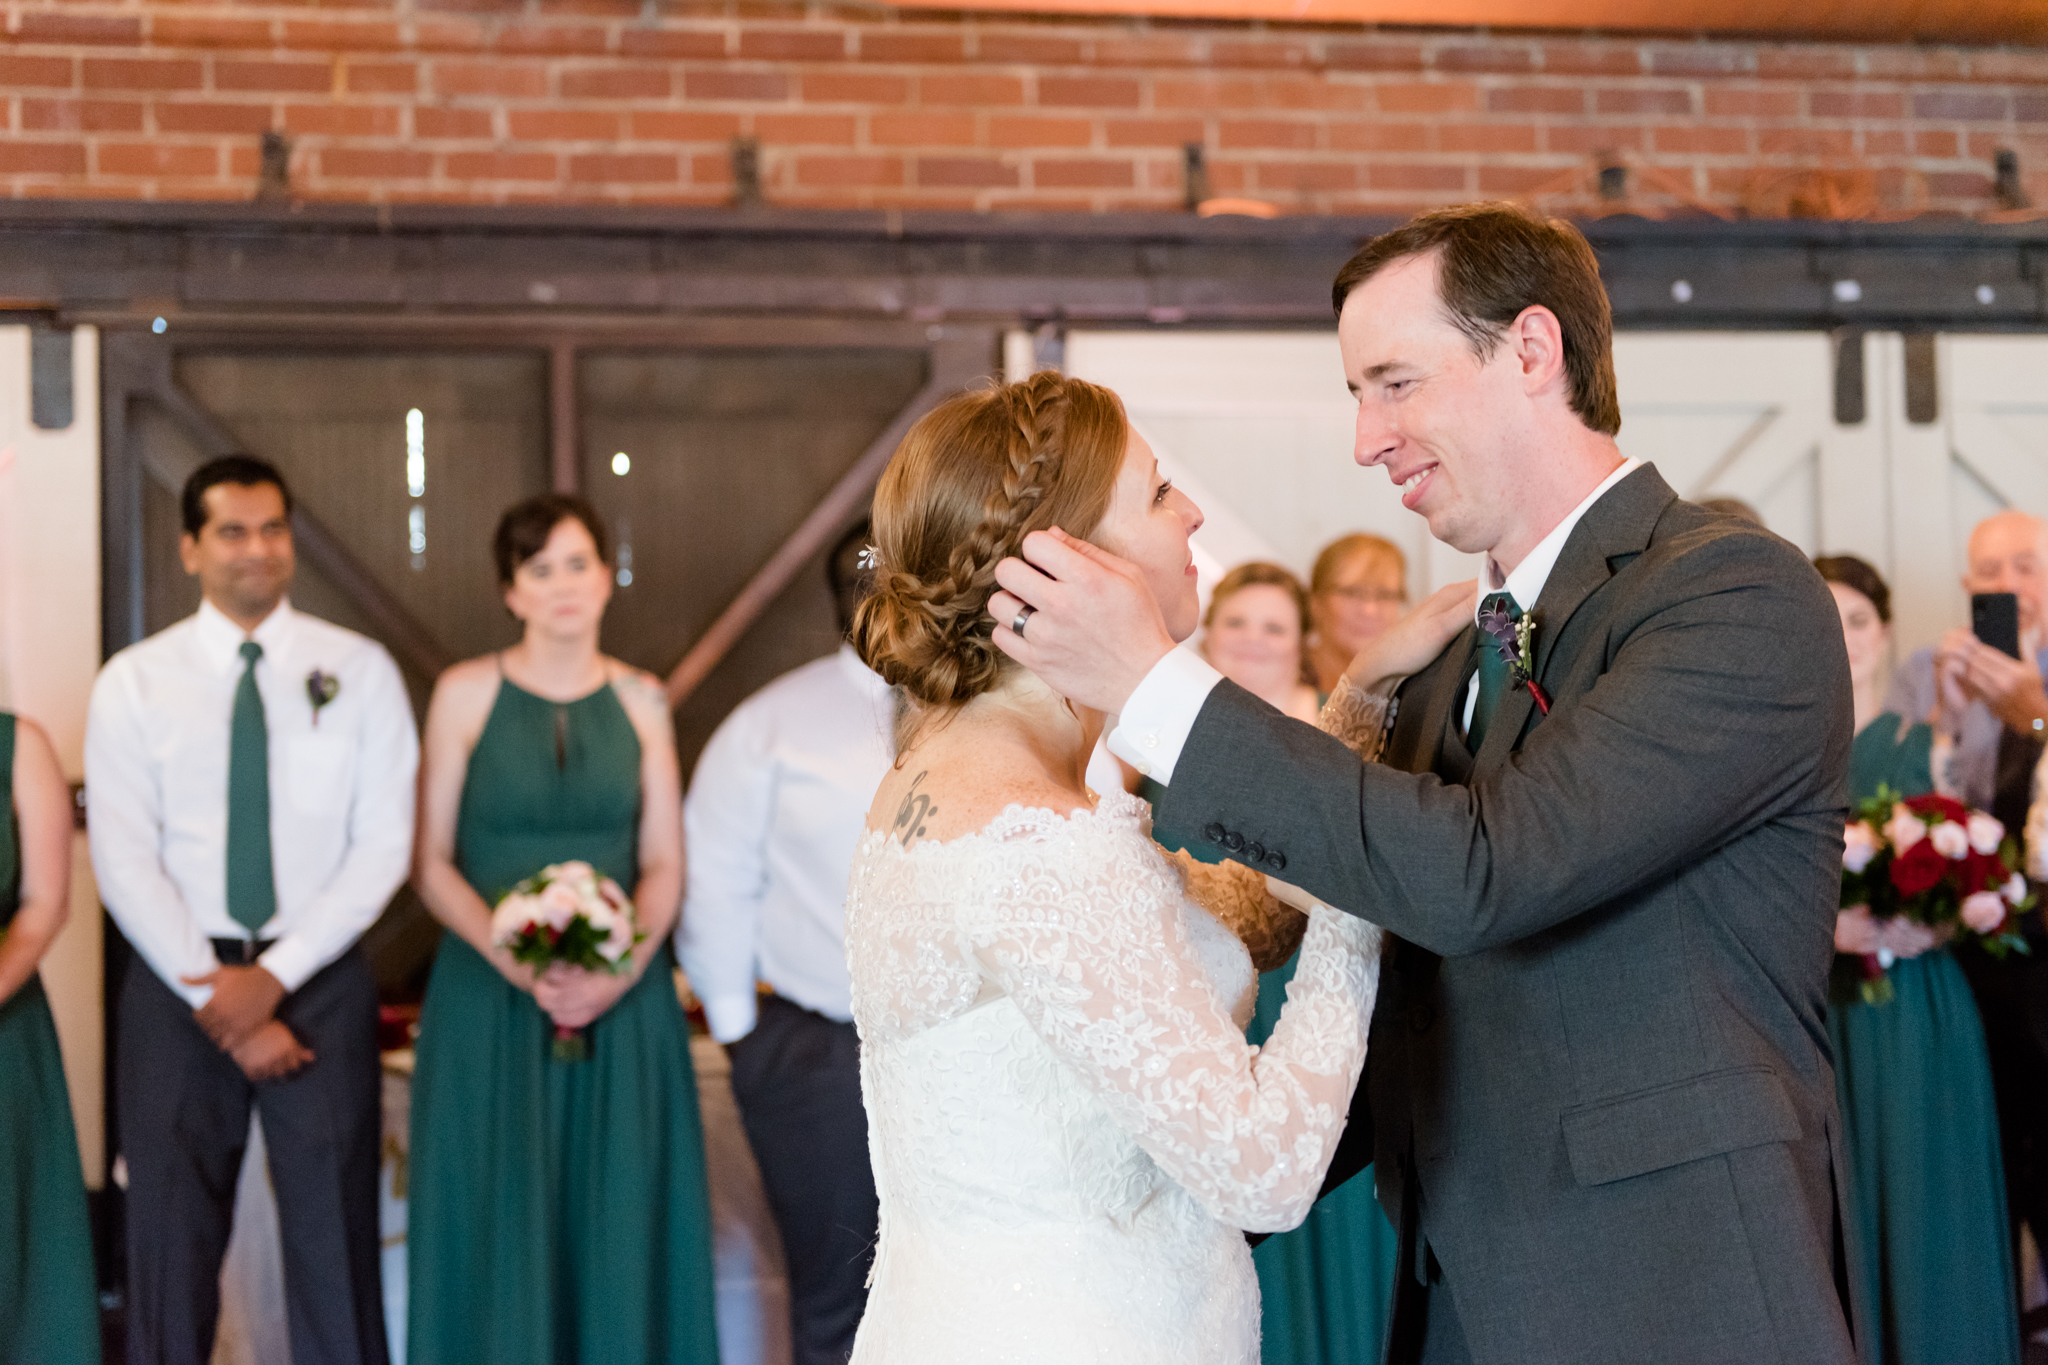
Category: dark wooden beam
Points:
column 564, row 463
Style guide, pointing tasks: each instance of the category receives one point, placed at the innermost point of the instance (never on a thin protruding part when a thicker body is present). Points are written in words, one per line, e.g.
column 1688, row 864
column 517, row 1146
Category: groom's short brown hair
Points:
column 1493, row 261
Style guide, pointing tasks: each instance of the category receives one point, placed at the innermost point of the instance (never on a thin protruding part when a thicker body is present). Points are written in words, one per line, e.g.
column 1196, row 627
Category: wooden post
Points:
column 564, row 465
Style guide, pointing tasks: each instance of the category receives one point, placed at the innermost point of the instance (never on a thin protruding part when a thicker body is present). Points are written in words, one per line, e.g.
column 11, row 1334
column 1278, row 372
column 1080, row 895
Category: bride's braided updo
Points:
column 971, row 479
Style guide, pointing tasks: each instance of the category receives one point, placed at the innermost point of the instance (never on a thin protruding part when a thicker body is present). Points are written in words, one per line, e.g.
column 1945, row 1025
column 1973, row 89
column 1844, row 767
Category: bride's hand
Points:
column 1409, row 644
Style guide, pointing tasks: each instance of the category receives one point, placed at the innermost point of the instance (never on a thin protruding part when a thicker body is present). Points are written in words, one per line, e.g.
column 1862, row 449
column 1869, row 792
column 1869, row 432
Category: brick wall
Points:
column 635, row 101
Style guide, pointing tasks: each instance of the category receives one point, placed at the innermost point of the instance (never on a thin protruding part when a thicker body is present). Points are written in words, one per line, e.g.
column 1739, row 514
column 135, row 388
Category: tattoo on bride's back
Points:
column 915, row 810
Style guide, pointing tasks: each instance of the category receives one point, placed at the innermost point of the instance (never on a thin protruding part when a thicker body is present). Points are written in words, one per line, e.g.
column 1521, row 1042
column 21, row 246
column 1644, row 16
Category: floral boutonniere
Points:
column 1515, row 639
column 321, row 688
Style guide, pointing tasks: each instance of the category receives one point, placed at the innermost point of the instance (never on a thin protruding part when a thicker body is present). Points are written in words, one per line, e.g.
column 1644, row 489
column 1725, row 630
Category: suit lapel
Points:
column 1429, row 709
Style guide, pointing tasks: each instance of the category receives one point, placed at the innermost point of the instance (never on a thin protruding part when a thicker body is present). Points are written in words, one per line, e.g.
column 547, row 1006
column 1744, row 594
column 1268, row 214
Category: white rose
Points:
column 576, row 871
column 619, row 943
column 1986, row 834
column 2015, row 890
column 558, row 905
column 1950, row 839
column 1904, row 829
column 512, row 917
column 1984, row 911
column 1859, row 846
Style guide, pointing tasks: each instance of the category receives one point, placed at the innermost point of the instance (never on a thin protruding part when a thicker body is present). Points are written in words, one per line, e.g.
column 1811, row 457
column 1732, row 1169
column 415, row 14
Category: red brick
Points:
column 298, row 77
column 1146, row 49
column 1238, row 134
column 244, row 158
column 1317, row 93
column 190, row 30
column 1855, row 104
column 179, row 117
column 1752, row 103
column 843, row 171
column 501, row 166
column 669, row 125
column 380, row 78
column 553, row 40
column 1289, row 54
column 130, row 73
column 1591, row 59
column 1419, row 97
column 608, row 9
column 323, row 35
column 962, row 171
column 556, row 124
column 81, row 116
column 791, row 45
column 673, row 43
column 1642, row 100
column 375, row 163
column 1395, row 175
column 909, row 47
column 1035, row 48
column 48, row 26
column 1373, row 56
column 1024, row 130
column 1701, row 139
column 2026, row 66
column 43, row 73
column 2030, row 108
column 1381, row 136
column 430, row 121
column 813, row 130
column 1151, row 132
column 735, row 85
column 1500, row 58
column 860, row 87
column 919, row 129
column 345, row 120
column 1971, row 185
column 1513, row 180
column 1805, row 142
column 1071, row 175
column 42, row 158
column 1886, row 142
column 451, row 35
column 768, row 9
column 1805, row 63
column 1307, row 177
column 156, row 158
column 1206, row 93
column 1937, row 143
column 711, row 168
column 516, row 80
column 1700, row 59
column 1960, row 104
column 614, row 83
column 977, row 91
column 1486, row 137
column 1586, row 138
column 612, row 168
column 1094, row 92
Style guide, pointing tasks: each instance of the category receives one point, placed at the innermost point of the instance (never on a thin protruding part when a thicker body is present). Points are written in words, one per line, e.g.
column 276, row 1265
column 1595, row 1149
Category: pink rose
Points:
column 1950, row 839
column 559, row 904
column 1859, row 846
column 1984, row 911
column 2015, row 890
column 1986, row 833
column 1904, row 829
column 513, row 917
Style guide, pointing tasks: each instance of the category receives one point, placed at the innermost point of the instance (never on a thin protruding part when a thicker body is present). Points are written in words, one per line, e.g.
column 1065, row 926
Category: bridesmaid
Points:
column 559, row 1211
column 49, row 1309
column 1358, row 587
column 1919, row 1127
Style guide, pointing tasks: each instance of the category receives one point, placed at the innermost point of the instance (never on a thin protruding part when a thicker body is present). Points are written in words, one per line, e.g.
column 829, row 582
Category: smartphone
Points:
column 1995, row 620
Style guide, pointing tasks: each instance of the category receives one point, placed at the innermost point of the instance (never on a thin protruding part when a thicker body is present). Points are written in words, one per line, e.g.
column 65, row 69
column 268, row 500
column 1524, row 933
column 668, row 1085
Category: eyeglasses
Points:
column 1371, row 597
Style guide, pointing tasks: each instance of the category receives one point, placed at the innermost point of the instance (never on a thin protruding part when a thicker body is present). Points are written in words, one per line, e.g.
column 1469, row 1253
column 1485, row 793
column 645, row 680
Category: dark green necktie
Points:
column 252, row 888
column 1493, row 672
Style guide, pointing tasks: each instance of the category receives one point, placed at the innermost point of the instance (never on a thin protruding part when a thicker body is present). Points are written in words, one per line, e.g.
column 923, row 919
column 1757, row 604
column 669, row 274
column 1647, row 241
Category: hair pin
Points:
column 871, row 558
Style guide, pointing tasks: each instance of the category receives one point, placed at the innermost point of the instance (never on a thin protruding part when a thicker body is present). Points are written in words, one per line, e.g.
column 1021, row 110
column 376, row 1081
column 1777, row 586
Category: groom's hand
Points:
column 1095, row 630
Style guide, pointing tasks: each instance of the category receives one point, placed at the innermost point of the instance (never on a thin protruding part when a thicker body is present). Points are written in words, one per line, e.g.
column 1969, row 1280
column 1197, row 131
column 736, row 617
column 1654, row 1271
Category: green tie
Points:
column 252, row 888
column 1493, row 672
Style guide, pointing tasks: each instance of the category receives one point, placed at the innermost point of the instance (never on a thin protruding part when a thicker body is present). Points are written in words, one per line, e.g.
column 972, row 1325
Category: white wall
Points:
column 49, row 652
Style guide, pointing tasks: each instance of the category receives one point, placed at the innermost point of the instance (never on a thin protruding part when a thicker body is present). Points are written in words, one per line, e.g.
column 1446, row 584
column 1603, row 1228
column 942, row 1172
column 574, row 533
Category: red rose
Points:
column 1934, row 803
column 1983, row 872
column 1918, row 869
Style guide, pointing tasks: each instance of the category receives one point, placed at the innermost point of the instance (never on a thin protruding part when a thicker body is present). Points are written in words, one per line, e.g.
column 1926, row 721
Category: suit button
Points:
column 1232, row 840
column 1255, row 852
column 1422, row 1018
column 1277, row 860
column 1213, row 833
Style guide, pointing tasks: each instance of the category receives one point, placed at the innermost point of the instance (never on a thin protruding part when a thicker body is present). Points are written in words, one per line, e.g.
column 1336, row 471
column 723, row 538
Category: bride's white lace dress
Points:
column 1068, row 1128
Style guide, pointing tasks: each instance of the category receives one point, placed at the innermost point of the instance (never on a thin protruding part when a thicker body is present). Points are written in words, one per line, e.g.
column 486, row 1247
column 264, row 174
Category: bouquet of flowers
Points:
column 569, row 913
column 1934, row 861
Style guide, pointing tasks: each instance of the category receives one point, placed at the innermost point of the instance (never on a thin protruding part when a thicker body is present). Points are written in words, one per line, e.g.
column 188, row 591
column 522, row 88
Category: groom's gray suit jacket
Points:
column 1599, row 1093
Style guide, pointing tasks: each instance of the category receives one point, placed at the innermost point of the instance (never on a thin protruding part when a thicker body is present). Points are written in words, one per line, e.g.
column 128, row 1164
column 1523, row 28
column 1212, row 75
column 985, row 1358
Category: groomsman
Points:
column 249, row 779
column 775, row 809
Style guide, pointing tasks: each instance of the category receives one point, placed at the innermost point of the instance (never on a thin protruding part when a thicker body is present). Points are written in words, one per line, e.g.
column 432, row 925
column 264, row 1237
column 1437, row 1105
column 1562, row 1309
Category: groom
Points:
column 1599, row 1098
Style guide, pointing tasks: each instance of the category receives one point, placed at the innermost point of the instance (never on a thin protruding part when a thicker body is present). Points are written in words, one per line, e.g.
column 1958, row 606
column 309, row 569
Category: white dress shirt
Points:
column 156, row 784
column 1154, row 726
column 774, row 812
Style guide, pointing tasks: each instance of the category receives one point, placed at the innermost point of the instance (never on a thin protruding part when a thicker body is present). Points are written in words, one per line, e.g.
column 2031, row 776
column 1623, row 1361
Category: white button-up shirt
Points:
column 156, row 783
column 774, row 812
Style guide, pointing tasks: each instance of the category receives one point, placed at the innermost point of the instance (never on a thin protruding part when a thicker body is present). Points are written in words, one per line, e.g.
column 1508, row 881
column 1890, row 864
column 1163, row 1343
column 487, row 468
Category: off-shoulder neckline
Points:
column 1115, row 806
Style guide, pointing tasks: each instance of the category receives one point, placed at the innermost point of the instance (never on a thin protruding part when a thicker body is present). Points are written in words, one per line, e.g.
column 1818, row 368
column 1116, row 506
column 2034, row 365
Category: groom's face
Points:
column 1437, row 417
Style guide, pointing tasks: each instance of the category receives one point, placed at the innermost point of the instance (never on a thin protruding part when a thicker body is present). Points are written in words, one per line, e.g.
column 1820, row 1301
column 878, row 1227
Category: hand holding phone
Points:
column 1995, row 620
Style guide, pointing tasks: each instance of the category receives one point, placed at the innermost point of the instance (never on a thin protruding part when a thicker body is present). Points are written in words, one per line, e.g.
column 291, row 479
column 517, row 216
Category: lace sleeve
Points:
column 1357, row 718
column 1240, row 900
column 1092, row 950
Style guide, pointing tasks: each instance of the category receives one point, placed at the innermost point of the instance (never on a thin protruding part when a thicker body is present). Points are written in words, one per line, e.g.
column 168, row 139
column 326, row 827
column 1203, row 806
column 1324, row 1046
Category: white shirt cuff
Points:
column 291, row 960
column 1161, row 711
column 731, row 1017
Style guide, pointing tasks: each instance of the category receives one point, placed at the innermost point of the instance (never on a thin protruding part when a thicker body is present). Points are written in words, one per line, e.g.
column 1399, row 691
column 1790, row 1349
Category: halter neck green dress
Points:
column 558, row 1208
column 49, row 1308
column 1920, row 1133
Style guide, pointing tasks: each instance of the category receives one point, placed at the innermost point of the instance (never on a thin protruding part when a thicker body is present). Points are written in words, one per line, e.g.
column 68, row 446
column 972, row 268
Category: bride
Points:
column 1067, row 1126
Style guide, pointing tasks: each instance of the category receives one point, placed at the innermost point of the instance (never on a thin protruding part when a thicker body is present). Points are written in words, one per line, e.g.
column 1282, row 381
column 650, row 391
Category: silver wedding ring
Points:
column 1023, row 615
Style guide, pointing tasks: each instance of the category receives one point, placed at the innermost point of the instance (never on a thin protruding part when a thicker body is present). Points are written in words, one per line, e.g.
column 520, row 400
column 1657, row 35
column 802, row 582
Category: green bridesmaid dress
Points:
column 1325, row 1287
column 1920, row 1131
column 49, row 1307
column 559, row 1212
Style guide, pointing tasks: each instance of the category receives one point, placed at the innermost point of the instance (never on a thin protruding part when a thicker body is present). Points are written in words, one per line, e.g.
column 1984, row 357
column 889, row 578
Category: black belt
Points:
column 240, row 952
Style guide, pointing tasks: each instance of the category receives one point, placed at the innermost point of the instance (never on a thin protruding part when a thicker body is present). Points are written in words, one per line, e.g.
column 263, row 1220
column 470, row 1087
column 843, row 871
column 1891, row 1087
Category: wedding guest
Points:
column 1255, row 632
column 773, row 814
column 559, row 1211
column 1992, row 707
column 249, row 779
column 1356, row 589
column 1919, row 1122
column 49, row 1312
